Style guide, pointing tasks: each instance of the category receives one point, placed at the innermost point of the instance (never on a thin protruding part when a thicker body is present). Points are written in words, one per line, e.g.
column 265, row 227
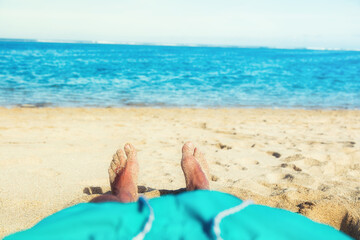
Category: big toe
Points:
column 117, row 163
column 203, row 163
column 198, row 154
column 130, row 150
column 188, row 149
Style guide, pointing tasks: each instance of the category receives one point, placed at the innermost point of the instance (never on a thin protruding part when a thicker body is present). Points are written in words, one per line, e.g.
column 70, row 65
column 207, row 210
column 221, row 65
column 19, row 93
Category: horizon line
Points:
column 135, row 43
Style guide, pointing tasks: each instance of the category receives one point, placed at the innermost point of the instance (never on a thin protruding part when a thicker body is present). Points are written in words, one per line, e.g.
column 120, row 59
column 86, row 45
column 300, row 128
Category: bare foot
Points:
column 195, row 168
column 123, row 174
column 116, row 167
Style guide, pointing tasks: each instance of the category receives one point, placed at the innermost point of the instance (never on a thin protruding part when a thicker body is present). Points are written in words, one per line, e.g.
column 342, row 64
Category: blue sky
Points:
column 275, row 23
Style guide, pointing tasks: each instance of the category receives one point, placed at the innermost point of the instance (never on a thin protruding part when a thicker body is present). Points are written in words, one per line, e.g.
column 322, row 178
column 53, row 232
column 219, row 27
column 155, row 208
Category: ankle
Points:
column 126, row 196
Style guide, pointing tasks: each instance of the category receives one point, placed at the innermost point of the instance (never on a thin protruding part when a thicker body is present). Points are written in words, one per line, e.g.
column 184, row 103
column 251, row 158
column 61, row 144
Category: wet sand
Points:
column 306, row 161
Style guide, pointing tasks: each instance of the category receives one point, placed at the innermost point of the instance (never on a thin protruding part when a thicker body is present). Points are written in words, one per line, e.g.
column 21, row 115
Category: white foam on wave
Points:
column 331, row 49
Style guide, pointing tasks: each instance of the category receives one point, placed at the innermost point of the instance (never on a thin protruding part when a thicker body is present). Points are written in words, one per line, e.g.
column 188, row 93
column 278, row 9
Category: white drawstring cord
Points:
column 225, row 213
column 149, row 221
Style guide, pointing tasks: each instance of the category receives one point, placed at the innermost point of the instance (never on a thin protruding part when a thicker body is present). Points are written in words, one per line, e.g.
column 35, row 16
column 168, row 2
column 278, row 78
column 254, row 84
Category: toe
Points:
column 114, row 167
column 188, row 149
column 198, row 154
column 200, row 157
column 130, row 150
column 114, row 163
column 121, row 156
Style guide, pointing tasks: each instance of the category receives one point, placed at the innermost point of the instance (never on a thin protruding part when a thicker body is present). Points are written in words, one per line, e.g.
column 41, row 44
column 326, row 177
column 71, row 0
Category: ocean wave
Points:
column 107, row 75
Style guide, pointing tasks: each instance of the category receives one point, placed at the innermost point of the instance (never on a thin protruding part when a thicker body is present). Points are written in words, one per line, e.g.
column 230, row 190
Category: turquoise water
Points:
column 97, row 75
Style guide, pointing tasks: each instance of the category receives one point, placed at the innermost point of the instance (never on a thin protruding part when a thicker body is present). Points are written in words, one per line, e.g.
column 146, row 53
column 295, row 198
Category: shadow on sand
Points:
column 143, row 190
column 350, row 226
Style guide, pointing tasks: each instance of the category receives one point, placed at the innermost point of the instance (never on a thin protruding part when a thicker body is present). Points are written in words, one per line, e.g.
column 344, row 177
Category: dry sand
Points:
column 303, row 161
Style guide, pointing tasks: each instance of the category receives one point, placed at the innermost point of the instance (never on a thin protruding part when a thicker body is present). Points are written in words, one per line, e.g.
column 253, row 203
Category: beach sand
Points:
column 306, row 161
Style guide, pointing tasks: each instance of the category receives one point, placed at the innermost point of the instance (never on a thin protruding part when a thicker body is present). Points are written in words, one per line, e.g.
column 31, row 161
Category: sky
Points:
column 270, row 23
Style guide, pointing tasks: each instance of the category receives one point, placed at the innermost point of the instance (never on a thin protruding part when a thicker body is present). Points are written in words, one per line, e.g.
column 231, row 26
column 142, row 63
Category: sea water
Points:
column 101, row 75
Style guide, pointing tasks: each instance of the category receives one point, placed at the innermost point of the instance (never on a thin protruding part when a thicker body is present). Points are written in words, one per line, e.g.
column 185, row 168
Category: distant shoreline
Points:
column 101, row 42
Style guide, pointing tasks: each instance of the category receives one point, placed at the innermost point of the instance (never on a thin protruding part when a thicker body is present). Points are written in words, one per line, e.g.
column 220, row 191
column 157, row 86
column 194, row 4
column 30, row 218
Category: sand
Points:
column 306, row 161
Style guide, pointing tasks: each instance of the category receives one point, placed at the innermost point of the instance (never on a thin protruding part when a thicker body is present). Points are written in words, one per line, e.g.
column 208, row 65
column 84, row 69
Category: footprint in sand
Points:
column 295, row 157
column 214, row 178
column 241, row 168
column 312, row 162
column 289, row 177
column 302, row 207
column 223, row 146
column 355, row 166
column 323, row 187
column 348, row 144
column 221, row 164
column 277, row 190
column 274, row 154
column 296, row 168
column 293, row 166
